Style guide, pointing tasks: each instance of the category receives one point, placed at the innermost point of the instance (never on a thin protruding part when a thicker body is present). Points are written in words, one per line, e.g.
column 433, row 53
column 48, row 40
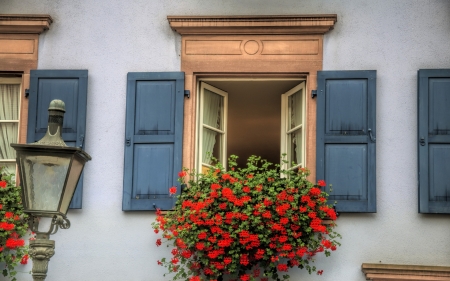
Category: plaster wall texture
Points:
column 111, row 38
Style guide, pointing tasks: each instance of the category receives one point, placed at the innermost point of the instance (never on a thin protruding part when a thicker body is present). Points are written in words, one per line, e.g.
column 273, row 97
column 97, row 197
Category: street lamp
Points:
column 49, row 171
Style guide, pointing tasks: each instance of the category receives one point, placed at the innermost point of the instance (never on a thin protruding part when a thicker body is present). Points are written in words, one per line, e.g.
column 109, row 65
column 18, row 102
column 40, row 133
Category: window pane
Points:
column 296, row 147
column 295, row 104
column 8, row 135
column 212, row 146
column 213, row 109
column 9, row 100
column 9, row 167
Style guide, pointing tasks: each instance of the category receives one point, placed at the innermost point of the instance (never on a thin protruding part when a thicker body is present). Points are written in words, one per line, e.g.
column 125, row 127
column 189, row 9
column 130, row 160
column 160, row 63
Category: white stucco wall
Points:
column 111, row 38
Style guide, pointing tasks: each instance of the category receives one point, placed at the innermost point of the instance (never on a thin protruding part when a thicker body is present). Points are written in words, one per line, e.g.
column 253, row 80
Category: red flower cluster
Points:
column 13, row 243
column 24, row 259
column 6, row 226
column 13, row 225
column 245, row 219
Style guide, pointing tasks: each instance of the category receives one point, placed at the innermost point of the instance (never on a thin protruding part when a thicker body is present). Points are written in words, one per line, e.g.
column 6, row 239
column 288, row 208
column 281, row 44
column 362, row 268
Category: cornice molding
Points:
column 385, row 272
column 236, row 25
column 24, row 24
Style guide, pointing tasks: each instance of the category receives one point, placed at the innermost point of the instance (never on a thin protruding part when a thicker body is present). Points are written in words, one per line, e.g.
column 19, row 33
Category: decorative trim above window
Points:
column 274, row 25
column 25, row 23
column 384, row 272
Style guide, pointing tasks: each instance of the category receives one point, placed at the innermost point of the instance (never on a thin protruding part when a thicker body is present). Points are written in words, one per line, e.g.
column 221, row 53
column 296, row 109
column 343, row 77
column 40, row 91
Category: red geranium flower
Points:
column 3, row 184
column 172, row 190
column 282, row 267
column 24, row 259
column 245, row 277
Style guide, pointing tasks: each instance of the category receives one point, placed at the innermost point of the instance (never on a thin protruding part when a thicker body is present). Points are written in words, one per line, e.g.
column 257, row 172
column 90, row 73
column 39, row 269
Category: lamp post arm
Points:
column 57, row 221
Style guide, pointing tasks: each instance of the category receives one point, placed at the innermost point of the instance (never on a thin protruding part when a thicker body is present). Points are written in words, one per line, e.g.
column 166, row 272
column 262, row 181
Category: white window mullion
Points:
column 213, row 129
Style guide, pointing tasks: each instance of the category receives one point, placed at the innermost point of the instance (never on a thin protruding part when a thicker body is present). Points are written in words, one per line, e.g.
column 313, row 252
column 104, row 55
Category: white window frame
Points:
column 286, row 131
column 13, row 80
column 223, row 152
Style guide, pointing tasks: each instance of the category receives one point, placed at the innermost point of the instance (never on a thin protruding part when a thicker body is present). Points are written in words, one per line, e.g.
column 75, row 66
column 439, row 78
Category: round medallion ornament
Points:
column 251, row 47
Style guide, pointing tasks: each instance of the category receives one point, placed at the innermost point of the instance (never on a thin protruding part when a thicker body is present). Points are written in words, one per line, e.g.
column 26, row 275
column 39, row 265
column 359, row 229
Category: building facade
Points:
column 272, row 69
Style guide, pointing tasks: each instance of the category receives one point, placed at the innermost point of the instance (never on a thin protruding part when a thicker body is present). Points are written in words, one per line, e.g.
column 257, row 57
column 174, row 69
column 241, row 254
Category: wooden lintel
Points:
column 24, row 24
column 275, row 25
column 382, row 272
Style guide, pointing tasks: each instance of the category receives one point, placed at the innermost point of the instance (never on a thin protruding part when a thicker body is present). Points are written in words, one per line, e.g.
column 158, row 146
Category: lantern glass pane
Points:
column 45, row 177
column 72, row 180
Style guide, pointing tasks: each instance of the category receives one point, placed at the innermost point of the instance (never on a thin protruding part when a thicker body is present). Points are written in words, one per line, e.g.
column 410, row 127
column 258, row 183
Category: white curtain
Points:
column 9, row 110
column 296, row 119
column 211, row 117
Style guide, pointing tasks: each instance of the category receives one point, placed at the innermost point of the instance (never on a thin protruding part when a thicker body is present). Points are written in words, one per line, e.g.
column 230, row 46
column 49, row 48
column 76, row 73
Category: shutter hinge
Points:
column 422, row 141
column 313, row 93
column 128, row 142
column 81, row 141
column 27, row 92
column 372, row 138
column 187, row 93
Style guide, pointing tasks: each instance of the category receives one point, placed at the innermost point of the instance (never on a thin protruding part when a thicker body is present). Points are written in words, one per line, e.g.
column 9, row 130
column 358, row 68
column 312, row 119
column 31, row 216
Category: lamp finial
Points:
column 56, row 111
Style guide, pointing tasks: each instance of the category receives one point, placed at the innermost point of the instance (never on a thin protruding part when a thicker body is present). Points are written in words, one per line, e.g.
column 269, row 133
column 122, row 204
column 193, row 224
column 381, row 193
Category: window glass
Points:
column 212, row 134
column 295, row 128
column 9, row 120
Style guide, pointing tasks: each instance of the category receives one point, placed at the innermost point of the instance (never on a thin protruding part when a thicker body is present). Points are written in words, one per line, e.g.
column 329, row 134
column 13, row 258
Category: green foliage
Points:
column 251, row 222
column 13, row 226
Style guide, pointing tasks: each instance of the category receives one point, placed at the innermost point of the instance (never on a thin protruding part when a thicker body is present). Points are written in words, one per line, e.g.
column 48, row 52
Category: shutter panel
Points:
column 346, row 137
column 69, row 86
column 434, row 140
column 153, row 139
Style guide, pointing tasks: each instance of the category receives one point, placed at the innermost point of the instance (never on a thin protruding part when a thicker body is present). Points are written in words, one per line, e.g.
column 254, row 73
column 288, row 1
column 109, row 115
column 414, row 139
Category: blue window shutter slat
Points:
column 346, row 135
column 153, row 139
column 71, row 87
column 434, row 140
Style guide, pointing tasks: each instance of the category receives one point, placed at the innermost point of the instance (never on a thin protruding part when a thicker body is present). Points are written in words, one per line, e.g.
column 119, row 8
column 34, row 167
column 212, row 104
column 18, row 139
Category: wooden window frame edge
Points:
column 24, row 24
column 267, row 24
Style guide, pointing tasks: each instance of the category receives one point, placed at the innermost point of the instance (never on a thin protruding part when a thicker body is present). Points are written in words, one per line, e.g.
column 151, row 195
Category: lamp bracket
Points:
column 60, row 221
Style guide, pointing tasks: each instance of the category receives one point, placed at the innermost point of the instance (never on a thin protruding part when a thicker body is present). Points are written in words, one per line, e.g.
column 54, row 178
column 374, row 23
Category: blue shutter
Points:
column 346, row 138
column 69, row 86
column 434, row 140
column 153, row 139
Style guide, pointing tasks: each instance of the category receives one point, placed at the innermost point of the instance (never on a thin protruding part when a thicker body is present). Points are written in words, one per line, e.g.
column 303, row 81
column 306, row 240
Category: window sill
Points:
column 385, row 272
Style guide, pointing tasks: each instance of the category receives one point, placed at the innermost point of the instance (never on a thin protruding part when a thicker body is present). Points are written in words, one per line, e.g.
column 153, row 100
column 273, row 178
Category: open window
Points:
column 244, row 117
